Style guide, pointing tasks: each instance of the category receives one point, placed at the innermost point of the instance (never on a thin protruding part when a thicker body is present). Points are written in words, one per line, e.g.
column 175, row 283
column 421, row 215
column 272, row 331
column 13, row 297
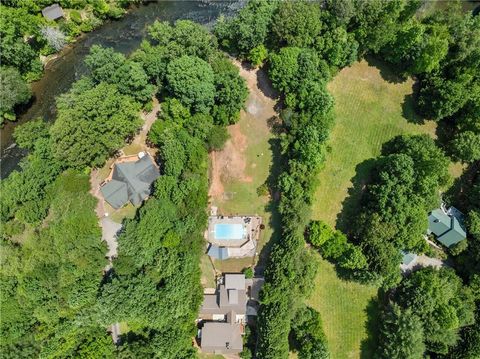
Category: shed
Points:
column 53, row 12
column 217, row 252
column 407, row 257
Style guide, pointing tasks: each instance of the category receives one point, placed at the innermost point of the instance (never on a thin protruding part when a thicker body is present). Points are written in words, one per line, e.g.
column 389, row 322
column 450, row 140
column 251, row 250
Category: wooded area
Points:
column 405, row 181
column 56, row 299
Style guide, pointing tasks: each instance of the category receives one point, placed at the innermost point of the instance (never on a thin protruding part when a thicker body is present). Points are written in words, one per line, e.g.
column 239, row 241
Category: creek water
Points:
column 124, row 35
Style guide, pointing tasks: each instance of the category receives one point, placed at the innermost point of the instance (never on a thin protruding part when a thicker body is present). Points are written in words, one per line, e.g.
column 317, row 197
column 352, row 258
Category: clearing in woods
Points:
column 245, row 163
column 371, row 107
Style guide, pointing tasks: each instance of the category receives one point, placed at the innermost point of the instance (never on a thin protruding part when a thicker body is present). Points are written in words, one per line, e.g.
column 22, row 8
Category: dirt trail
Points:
column 230, row 163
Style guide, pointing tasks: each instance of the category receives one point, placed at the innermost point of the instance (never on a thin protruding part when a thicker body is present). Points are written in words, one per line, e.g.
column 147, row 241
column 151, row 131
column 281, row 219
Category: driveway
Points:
column 109, row 235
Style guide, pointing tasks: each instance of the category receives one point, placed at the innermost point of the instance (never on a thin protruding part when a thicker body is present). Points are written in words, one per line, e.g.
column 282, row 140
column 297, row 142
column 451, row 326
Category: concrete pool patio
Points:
column 232, row 236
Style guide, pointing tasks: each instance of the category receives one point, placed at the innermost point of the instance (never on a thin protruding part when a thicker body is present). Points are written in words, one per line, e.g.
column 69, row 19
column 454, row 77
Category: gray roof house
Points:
column 230, row 296
column 130, row 181
column 52, row 12
column 222, row 338
column 227, row 308
column 446, row 226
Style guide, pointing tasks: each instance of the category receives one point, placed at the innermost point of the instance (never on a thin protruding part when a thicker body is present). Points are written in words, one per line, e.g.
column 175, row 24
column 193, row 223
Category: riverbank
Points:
column 123, row 35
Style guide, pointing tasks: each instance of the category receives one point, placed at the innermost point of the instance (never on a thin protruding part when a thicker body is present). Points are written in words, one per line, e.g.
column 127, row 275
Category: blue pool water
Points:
column 229, row 231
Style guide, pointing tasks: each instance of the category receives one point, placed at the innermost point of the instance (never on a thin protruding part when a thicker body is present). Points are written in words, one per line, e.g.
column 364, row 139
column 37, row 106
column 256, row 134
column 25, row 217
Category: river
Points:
column 124, row 35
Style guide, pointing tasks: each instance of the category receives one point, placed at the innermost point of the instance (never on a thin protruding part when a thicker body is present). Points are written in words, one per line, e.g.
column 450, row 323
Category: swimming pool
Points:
column 229, row 231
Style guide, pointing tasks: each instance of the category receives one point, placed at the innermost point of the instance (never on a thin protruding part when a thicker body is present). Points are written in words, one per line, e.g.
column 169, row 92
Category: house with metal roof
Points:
column 130, row 181
column 53, row 12
column 447, row 226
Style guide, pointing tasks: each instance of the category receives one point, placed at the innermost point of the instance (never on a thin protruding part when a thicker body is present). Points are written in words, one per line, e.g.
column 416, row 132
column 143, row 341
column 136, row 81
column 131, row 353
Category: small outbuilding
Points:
column 53, row 12
column 447, row 226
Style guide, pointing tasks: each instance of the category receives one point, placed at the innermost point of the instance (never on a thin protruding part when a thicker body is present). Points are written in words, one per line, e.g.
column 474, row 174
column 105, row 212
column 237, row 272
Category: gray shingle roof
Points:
column 235, row 281
column 222, row 337
column 53, row 12
column 131, row 181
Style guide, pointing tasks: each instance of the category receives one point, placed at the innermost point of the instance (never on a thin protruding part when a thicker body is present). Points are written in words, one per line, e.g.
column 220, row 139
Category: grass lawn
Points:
column 345, row 307
column 369, row 111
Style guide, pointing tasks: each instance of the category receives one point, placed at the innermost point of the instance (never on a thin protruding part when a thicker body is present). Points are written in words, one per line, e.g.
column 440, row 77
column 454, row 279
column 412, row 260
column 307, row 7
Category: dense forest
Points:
column 56, row 298
column 302, row 44
column 28, row 37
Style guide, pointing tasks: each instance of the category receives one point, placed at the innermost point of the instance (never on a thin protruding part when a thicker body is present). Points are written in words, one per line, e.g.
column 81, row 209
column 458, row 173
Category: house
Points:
column 231, row 297
column 130, row 180
column 223, row 314
column 447, row 226
column 53, row 12
column 222, row 338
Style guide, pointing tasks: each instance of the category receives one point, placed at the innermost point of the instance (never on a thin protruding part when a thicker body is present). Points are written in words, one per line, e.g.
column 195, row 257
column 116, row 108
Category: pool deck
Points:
column 244, row 247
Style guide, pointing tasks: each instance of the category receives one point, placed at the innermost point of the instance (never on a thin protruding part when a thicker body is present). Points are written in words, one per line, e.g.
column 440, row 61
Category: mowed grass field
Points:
column 345, row 308
column 369, row 111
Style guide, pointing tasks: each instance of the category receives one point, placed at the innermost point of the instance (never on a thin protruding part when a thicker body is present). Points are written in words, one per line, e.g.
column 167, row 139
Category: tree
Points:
column 88, row 130
column 442, row 304
column 258, row 55
column 191, row 80
column 111, row 67
column 249, row 28
column 231, row 91
column 55, row 38
column 401, row 334
column 466, row 147
column 14, row 91
column 308, row 334
column 291, row 66
column 296, row 23
column 30, row 132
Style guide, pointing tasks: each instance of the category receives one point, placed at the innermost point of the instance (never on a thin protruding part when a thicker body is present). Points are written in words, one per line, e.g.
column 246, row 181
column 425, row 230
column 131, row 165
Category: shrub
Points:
column 258, row 55
column 76, row 17
column 248, row 272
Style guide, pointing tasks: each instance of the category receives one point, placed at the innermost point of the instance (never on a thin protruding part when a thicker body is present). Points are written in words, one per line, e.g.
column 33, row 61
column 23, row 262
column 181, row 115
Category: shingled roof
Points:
column 130, row 181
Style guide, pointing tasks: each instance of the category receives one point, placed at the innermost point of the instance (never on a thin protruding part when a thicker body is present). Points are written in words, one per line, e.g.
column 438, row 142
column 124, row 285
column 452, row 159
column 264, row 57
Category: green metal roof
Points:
column 408, row 257
column 438, row 222
column 115, row 193
column 447, row 229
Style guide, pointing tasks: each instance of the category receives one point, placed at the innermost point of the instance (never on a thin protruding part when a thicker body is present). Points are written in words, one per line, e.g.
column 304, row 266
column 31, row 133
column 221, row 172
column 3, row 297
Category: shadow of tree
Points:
column 352, row 203
column 408, row 110
column 389, row 72
column 265, row 85
column 275, row 125
column 368, row 345
column 275, row 170
column 459, row 193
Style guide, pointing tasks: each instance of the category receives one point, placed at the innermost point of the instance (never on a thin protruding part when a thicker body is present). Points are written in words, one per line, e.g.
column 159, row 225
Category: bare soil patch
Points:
column 232, row 163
